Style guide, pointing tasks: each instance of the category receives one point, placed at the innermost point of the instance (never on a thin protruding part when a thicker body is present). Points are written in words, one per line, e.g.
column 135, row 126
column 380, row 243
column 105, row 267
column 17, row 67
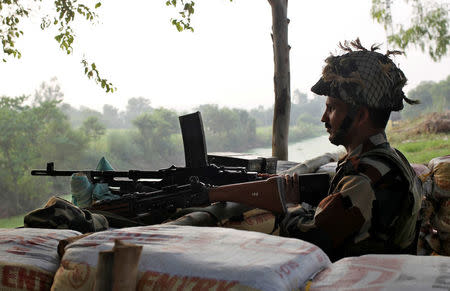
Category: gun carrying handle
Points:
column 267, row 194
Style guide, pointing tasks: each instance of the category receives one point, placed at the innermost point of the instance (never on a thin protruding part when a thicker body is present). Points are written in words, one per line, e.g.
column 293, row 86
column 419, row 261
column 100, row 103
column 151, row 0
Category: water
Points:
column 303, row 150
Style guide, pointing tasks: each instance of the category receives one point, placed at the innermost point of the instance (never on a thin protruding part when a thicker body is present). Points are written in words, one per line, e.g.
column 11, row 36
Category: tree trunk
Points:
column 282, row 108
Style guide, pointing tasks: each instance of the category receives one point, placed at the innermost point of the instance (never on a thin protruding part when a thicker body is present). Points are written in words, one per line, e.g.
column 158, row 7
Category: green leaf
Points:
column 98, row 5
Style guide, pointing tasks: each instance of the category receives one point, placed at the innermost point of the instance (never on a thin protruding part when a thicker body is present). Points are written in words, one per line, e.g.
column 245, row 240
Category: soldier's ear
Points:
column 363, row 115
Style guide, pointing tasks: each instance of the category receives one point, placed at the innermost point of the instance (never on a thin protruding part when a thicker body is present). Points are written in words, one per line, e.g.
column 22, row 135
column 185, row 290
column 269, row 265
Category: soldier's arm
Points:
column 338, row 216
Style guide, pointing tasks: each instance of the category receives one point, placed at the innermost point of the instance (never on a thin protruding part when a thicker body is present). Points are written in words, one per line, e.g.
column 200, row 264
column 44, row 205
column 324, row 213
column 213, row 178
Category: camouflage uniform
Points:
column 370, row 207
column 374, row 198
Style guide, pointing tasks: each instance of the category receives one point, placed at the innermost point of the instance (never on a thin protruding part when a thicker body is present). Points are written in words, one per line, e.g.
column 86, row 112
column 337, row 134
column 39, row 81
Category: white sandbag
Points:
column 329, row 168
column 310, row 166
column 191, row 258
column 385, row 272
column 29, row 258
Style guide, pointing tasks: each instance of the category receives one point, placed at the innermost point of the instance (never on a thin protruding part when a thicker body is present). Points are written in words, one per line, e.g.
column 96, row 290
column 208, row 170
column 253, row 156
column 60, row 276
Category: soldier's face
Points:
column 334, row 114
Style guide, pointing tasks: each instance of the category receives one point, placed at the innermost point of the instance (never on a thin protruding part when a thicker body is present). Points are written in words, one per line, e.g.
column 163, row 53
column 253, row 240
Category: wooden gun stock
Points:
column 267, row 194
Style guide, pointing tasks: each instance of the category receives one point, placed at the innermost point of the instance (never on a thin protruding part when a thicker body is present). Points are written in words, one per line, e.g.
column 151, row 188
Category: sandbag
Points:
column 310, row 166
column 434, row 236
column 329, row 168
column 29, row 258
column 421, row 171
column 440, row 174
column 192, row 258
column 385, row 272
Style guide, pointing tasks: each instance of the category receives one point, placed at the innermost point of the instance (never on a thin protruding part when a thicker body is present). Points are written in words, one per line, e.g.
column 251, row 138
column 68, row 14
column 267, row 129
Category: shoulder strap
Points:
column 395, row 157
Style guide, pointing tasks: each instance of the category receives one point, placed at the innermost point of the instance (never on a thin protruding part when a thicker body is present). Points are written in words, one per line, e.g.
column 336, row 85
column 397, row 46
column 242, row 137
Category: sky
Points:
column 227, row 60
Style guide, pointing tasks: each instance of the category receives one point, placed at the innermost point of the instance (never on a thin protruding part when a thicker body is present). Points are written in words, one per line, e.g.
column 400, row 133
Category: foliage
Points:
column 111, row 117
column 32, row 135
column 41, row 132
column 299, row 97
column 305, row 130
column 429, row 27
column 92, row 128
column 77, row 116
column 262, row 116
column 13, row 12
column 121, row 151
column 153, row 141
column 62, row 17
column 136, row 106
column 187, row 9
column 308, row 110
column 433, row 97
column 228, row 129
column 48, row 91
column 305, row 118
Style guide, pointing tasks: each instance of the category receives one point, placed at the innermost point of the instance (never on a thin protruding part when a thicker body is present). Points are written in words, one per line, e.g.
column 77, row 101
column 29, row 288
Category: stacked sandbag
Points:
column 29, row 258
column 434, row 236
column 440, row 169
column 385, row 272
column 178, row 257
column 329, row 168
column 312, row 165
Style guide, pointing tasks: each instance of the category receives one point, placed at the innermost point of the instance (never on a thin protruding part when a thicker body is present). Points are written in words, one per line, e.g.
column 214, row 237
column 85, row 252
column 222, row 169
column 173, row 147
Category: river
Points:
column 303, row 150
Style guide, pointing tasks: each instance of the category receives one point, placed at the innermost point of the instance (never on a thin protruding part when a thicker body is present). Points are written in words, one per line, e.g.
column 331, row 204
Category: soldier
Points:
column 374, row 199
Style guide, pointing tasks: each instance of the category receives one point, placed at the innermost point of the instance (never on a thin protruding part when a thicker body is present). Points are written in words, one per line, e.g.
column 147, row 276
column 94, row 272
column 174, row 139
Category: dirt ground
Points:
column 426, row 124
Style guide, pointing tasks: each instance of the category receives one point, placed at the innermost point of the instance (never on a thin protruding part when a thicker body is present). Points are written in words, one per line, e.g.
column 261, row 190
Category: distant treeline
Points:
column 433, row 97
column 42, row 128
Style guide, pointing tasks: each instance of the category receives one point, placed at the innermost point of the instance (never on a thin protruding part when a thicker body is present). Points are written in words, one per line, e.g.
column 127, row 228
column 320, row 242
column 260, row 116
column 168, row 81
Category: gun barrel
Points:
column 52, row 173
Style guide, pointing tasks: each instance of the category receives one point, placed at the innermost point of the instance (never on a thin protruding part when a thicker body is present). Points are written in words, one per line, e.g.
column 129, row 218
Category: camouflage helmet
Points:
column 363, row 77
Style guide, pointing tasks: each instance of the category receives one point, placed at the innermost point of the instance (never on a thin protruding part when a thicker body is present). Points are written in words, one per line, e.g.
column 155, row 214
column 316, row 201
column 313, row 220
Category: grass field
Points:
column 422, row 150
column 17, row 221
column 415, row 143
column 11, row 222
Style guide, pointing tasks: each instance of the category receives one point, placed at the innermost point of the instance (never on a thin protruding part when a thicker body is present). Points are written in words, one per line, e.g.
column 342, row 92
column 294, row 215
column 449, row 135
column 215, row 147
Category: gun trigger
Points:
column 193, row 180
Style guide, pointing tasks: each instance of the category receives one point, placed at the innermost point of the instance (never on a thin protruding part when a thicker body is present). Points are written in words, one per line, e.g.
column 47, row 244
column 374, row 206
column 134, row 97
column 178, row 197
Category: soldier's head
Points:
column 363, row 87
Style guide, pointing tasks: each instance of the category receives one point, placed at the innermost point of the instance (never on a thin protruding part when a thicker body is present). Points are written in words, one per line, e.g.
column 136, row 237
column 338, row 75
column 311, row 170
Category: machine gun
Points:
column 266, row 194
column 271, row 194
column 123, row 182
column 146, row 192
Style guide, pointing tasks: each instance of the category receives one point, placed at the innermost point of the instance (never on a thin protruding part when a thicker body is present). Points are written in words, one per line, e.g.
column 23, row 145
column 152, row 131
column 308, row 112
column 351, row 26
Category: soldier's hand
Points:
column 292, row 189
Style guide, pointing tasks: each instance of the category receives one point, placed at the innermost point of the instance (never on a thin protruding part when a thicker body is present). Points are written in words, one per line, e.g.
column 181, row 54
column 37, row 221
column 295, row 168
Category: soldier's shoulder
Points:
column 374, row 167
